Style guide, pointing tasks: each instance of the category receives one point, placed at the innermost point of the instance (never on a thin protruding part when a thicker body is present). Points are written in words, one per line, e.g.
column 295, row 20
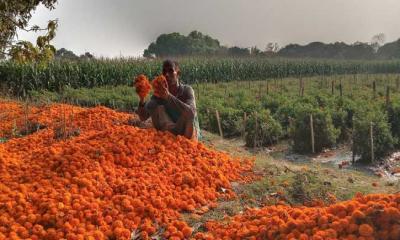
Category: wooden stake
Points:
column 312, row 133
column 255, row 131
column 387, row 95
column 198, row 90
column 340, row 90
column 371, row 134
column 219, row 124
column 244, row 125
column 209, row 119
column 333, row 87
column 374, row 88
column 353, row 159
column 300, row 85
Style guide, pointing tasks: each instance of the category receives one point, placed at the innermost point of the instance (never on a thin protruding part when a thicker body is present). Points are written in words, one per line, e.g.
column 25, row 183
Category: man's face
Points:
column 171, row 75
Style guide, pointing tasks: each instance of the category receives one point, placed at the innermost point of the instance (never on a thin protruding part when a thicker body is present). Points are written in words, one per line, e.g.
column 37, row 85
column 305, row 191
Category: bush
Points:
column 268, row 130
column 325, row 134
column 231, row 121
column 284, row 113
column 394, row 119
column 383, row 140
column 339, row 119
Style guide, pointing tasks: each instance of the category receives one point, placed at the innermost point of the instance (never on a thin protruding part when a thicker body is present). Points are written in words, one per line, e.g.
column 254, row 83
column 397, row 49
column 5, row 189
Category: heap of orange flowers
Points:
column 142, row 86
column 158, row 83
column 108, row 181
column 375, row 216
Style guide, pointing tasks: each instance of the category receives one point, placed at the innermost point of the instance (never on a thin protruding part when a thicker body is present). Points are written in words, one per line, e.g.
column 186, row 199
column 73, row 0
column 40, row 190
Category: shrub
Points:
column 267, row 132
column 383, row 140
column 325, row 134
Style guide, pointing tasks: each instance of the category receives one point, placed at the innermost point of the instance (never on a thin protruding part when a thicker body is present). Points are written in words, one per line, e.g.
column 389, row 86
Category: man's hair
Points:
column 171, row 64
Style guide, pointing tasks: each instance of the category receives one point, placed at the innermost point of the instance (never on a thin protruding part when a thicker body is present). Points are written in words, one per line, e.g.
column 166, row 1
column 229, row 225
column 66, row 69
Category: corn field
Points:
column 19, row 79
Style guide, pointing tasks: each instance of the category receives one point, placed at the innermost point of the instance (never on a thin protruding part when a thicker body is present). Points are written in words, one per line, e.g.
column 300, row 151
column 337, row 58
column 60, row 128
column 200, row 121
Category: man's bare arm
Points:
column 188, row 108
column 142, row 112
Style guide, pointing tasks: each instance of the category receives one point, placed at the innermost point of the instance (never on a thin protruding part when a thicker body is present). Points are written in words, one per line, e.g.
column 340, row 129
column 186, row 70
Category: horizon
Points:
column 124, row 28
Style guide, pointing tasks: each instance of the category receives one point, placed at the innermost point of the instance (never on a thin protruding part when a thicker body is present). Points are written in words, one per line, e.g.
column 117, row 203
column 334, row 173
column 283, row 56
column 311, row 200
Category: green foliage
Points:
column 175, row 44
column 390, row 50
column 15, row 15
column 382, row 137
column 262, row 129
column 65, row 54
column 394, row 119
column 41, row 54
column 198, row 44
column 332, row 114
column 325, row 134
column 340, row 50
column 231, row 121
column 20, row 78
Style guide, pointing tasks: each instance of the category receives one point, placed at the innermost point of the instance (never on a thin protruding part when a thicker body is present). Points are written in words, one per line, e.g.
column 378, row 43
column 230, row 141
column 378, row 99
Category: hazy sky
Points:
column 110, row 28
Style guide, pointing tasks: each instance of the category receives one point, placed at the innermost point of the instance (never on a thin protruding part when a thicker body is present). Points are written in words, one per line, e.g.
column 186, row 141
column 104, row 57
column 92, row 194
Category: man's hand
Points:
column 164, row 92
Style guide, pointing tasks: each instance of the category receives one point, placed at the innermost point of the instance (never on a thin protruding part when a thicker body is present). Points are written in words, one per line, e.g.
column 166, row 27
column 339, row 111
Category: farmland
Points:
column 20, row 78
column 343, row 108
column 77, row 164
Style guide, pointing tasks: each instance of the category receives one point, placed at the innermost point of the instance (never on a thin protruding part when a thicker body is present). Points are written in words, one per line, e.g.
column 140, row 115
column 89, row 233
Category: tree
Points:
column 63, row 53
column 338, row 50
column 255, row 51
column 390, row 50
column 25, row 51
column 237, row 51
column 377, row 41
column 87, row 56
column 175, row 44
column 271, row 48
column 15, row 15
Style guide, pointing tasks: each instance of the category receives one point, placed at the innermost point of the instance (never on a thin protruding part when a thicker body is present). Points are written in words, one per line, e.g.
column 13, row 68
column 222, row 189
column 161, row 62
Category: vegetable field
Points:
column 345, row 109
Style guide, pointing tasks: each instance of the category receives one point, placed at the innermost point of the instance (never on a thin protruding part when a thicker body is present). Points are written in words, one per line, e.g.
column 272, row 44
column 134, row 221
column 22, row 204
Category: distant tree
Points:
column 175, row 44
column 237, row 51
column 254, row 51
column 86, row 55
column 360, row 50
column 63, row 53
column 389, row 50
column 377, row 41
column 338, row 50
column 15, row 15
column 271, row 48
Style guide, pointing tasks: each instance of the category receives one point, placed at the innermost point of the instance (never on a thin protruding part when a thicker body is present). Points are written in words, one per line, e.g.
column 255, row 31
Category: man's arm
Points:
column 188, row 108
column 142, row 112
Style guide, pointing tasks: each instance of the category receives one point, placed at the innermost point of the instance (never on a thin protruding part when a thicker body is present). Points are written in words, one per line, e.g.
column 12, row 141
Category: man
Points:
column 175, row 109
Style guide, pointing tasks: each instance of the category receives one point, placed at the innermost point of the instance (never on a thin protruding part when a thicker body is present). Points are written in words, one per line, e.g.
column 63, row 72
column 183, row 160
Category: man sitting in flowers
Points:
column 172, row 106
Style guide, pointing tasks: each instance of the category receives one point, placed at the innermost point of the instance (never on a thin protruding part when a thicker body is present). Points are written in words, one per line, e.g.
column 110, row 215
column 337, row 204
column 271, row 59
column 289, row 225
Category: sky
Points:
column 126, row 27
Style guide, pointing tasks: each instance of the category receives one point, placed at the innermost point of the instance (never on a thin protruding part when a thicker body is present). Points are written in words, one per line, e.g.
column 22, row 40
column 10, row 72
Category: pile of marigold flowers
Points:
column 142, row 86
column 375, row 216
column 107, row 181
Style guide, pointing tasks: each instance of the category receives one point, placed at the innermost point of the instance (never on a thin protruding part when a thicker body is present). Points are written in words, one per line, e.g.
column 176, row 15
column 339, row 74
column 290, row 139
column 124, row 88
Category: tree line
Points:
column 199, row 44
